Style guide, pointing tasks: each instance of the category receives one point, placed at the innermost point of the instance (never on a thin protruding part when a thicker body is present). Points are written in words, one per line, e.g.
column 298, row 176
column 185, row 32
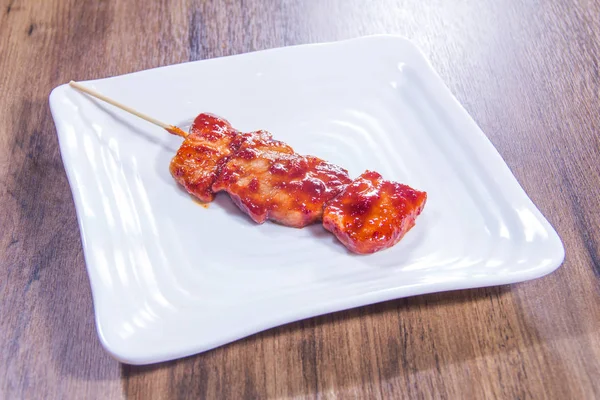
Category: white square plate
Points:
column 171, row 278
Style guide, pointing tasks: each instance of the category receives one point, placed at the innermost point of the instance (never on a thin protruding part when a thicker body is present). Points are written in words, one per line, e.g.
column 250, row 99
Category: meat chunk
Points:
column 268, row 181
column 372, row 214
column 201, row 155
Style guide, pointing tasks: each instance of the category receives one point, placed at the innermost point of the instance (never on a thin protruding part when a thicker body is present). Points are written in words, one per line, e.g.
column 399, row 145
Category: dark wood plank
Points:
column 527, row 72
column 47, row 334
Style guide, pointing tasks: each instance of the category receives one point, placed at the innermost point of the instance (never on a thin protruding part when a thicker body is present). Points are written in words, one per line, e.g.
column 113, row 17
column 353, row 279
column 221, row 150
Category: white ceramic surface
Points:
column 171, row 278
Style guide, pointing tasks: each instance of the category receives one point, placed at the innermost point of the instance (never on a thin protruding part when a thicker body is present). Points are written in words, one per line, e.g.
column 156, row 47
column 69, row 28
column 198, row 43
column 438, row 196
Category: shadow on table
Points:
column 359, row 348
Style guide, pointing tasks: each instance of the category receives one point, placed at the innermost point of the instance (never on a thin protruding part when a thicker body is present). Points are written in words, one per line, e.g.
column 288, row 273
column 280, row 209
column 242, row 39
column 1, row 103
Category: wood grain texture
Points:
column 528, row 72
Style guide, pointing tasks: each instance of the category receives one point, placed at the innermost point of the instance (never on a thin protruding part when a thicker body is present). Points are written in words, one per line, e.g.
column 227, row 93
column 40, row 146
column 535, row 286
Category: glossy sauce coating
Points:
column 268, row 181
column 372, row 214
column 202, row 153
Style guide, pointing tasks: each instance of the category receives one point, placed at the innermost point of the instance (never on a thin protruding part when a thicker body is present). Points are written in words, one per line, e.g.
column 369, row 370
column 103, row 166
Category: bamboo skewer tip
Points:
column 169, row 128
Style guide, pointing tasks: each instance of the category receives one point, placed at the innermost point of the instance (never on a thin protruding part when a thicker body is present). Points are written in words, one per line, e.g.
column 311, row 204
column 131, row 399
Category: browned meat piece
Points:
column 204, row 150
column 267, row 180
column 372, row 214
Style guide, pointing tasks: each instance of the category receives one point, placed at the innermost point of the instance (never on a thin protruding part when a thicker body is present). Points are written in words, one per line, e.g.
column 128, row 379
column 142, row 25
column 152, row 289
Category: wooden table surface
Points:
column 529, row 74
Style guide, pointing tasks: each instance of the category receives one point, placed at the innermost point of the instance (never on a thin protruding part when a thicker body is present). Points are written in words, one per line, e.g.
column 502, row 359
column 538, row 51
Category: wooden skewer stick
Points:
column 169, row 128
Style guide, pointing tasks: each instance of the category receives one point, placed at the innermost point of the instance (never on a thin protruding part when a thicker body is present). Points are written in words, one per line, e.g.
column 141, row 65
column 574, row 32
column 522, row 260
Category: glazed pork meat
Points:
column 269, row 181
column 372, row 214
column 197, row 162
